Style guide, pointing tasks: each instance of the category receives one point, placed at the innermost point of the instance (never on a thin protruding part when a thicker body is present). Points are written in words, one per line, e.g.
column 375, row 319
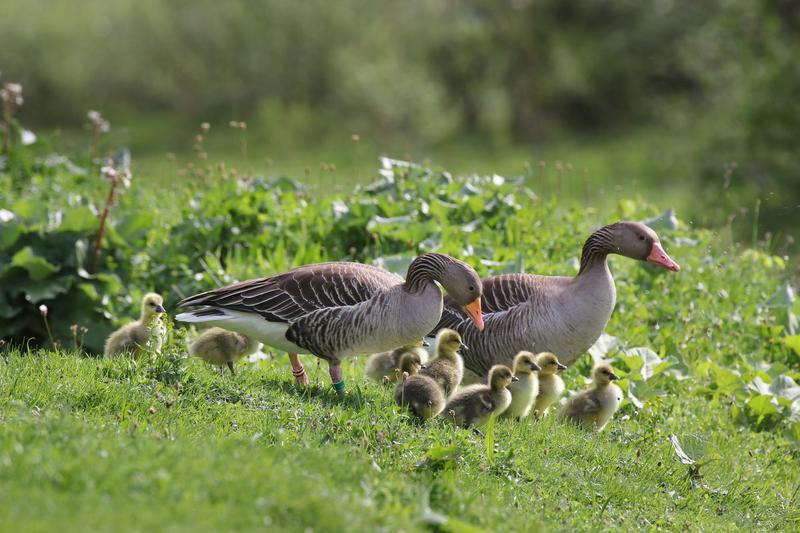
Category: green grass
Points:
column 112, row 445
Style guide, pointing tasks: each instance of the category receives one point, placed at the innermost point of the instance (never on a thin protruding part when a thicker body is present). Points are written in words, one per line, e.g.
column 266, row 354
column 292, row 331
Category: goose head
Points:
column 448, row 342
column 464, row 285
column 549, row 364
column 410, row 363
column 637, row 241
column 603, row 374
column 524, row 364
column 500, row 377
column 152, row 304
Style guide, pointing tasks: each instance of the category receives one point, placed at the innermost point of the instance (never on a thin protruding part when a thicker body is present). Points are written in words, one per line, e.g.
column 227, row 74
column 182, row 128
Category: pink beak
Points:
column 660, row 258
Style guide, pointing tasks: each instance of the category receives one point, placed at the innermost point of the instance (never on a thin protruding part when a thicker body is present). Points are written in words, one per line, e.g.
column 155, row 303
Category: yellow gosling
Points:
column 594, row 407
column 132, row 338
column 220, row 347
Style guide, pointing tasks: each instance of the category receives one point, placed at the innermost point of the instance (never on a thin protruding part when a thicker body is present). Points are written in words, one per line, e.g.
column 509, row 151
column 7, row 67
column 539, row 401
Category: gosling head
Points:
column 603, row 374
column 500, row 377
column 410, row 363
column 152, row 304
column 448, row 342
column 549, row 363
column 524, row 364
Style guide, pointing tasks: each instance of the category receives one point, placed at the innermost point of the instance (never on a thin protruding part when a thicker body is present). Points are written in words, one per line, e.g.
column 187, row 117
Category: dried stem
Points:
column 101, row 231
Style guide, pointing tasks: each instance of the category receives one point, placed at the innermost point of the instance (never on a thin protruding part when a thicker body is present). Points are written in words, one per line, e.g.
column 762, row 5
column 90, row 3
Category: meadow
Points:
column 708, row 437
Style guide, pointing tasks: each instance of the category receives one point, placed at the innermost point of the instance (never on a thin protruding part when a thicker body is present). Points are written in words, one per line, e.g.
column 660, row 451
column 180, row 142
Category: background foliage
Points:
column 713, row 84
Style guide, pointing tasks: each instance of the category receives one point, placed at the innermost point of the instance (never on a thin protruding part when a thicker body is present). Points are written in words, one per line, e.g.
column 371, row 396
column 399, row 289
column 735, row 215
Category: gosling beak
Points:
column 474, row 311
column 535, row 367
column 160, row 309
column 463, row 347
column 660, row 258
column 425, row 344
column 613, row 377
column 514, row 378
column 561, row 367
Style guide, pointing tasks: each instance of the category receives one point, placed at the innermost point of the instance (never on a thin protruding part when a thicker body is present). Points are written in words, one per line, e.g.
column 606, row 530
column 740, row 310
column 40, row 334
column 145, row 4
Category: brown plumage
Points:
column 131, row 339
column 525, row 389
column 473, row 405
column 447, row 368
column 551, row 386
column 220, row 347
column 385, row 366
column 419, row 393
column 594, row 407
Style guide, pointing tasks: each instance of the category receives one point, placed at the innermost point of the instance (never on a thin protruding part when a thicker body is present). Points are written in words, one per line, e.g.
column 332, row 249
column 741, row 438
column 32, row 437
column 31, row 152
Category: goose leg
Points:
column 299, row 373
column 336, row 377
column 230, row 366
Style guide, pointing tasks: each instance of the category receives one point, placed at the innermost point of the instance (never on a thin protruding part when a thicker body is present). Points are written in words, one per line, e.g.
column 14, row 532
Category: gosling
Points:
column 551, row 386
column 132, row 338
column 593, row 408
column 473, row 405
column 419, row 393
column 385, row 366
column 523, row 391
column 220, row 347
column 447, row 369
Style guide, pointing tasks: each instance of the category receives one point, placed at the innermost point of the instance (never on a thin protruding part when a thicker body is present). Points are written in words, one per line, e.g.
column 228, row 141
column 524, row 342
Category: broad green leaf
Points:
column 762, row 405
column 79, row 220
column 793, row 342
column 727, row 381
column 37, row 266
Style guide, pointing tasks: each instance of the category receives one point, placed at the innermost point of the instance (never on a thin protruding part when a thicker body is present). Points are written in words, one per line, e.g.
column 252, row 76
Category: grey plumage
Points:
column 563, row 315
column 334, row 310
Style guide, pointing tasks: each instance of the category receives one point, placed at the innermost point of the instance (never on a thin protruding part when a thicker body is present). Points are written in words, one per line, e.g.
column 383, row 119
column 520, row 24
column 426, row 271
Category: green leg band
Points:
column 339, row 387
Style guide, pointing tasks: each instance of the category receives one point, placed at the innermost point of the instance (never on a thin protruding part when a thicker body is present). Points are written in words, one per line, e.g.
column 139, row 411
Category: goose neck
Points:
column 596, row 249
column 424, row 270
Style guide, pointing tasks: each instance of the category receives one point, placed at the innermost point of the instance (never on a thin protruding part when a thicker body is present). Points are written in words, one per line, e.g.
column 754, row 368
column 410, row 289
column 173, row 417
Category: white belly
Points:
column 254, row 326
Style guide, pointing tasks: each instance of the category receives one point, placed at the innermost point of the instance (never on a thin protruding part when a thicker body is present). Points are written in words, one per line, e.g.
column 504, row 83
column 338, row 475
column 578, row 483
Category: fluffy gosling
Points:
column 132, row 338
column 551, row 386
column 523, row 391
column 594, row 407
column 220, row 347
column 419, row 393
column 447, row 368
column 473, row 405
column 385, row 366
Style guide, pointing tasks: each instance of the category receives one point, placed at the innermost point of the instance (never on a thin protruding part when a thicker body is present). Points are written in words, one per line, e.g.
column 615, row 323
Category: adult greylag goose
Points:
column 132, row 338
column 335, row 310
column 563, row 315
column 594, row 407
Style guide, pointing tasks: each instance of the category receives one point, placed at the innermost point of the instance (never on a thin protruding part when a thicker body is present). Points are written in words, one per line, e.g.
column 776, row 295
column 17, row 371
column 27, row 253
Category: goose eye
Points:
column 471, row 288
column 641, row 237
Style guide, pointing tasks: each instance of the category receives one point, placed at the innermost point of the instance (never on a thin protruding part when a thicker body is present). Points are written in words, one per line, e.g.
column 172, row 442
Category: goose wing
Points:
column 286, row 297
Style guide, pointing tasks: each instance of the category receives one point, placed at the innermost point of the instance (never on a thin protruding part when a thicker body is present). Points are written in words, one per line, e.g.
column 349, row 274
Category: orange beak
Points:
column 660, row 258
column 474, row 311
